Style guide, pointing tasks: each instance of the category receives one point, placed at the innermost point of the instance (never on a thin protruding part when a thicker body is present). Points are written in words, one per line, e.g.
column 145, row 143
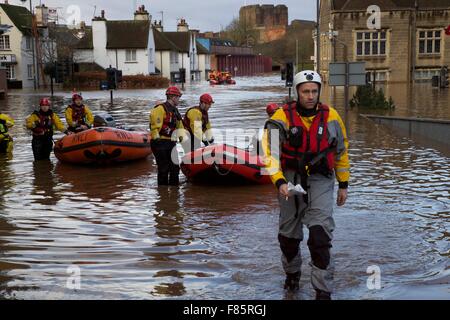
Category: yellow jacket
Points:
column 6, row 122
column 195, row 117
column 156, row 120
column 33, row 122
column 336, row 129
column 88, row 117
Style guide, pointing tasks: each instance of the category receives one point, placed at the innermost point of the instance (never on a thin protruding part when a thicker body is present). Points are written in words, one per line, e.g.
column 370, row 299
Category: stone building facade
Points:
column 411, row 43
column 269, row 21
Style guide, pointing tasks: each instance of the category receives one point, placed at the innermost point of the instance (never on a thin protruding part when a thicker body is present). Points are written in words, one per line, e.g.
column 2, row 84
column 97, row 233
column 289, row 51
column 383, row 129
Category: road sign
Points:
column 354, row 71
column 347, row 74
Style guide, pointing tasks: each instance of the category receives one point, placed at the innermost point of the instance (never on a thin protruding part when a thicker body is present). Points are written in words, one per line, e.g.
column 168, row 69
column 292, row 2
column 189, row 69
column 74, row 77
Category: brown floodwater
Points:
column 133, row 240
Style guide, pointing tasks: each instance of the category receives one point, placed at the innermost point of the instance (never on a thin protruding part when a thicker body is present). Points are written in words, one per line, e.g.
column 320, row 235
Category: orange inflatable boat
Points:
column 103, row 145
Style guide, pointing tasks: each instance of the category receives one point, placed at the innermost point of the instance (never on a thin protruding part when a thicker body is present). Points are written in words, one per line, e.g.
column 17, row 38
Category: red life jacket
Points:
column 78, row 115
column 308, row 151
column 187, row 121
column 45, row 124
column 169, row 123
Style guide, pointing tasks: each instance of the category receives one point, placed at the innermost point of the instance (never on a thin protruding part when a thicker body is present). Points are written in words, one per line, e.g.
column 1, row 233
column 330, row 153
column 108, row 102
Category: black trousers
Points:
column 42, row 147
column 4, row 145
column 168, row 171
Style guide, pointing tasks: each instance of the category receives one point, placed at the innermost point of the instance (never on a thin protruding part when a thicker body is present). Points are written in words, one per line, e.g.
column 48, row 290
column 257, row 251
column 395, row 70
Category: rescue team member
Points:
column 6, row 141
column 42, row 124
column 78, row 116
column 196, row 122
column 314, row 149
column 164, row 120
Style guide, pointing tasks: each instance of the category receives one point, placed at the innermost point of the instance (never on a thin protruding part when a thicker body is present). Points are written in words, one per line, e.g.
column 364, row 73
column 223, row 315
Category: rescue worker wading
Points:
column 196, row 122
column 314, row 149
column 6, row 141
column 42, row 124
column 164, row 120
column 78, row 116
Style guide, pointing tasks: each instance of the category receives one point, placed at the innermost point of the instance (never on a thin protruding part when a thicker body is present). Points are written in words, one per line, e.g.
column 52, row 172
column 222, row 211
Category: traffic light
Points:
column 289, row 74
column 111, row 78
column 118, row 76
column 444, row 77
column 182, row 75
column 283, row 74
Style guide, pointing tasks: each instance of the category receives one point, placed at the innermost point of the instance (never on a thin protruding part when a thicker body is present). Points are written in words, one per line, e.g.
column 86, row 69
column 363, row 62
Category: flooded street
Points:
column 134, row 240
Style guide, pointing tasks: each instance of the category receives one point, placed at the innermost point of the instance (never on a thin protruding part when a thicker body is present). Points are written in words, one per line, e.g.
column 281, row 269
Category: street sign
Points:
column 357, row 68
column 347, row 74
column 357, row 80
column 337, row 80
column 337, row 68
column 356, row 73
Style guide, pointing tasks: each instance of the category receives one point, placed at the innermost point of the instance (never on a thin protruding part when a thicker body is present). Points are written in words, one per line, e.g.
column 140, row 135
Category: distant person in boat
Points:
column 6, row 141
column 196, row 122
column 165, row 119
column 313, row 152
column 42, row 124
column 78, row 115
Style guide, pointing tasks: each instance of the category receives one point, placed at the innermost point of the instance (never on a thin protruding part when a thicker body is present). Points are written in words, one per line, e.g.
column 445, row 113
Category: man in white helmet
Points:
column 312, row 150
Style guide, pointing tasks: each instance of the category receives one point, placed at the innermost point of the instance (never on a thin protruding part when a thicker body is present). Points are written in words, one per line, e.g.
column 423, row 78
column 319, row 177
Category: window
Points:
column 379, row 75
column 426, row 74
column 28, row 43
column 371, row 43
column 430, row 42
column 130, row 55
column 10, row 72
column 173, row 57
column 4, row 43
column 30, row 71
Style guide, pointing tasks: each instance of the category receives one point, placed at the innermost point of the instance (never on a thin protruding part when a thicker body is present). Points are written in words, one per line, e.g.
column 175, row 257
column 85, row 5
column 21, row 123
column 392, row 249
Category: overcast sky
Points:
column 206, row 15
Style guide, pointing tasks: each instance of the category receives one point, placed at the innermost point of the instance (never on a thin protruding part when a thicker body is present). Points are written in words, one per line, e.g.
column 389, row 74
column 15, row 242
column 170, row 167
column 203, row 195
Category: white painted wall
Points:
column 140, row 66
column 185, row 62
column 99, row 37
column 145, row 58
column 17, row 47
column 83, row 55
column 163, row 63
column 204, row 61
column 151, row 52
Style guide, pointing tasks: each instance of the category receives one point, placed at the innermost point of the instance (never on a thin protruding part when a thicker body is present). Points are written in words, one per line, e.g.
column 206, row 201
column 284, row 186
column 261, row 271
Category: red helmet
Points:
column 271, row 108
column 173, row 91
column 206, row 98
column 44, row 102
column 76, row 96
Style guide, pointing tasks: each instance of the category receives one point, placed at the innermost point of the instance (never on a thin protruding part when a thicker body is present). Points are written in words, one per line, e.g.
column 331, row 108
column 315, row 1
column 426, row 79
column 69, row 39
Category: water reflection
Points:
column 44, row 183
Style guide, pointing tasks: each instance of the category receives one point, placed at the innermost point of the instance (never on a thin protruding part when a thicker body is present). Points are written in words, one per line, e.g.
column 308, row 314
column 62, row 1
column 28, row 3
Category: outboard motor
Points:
column 104, row 119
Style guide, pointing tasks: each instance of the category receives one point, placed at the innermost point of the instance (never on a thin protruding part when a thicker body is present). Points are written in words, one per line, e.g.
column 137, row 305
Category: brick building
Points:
column 411, row 44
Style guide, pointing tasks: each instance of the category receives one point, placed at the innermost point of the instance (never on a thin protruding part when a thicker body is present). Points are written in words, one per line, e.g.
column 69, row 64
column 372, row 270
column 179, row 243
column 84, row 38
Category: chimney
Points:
column 142, row 14
column 103, row 14
column 159, row 26
column 182, row 26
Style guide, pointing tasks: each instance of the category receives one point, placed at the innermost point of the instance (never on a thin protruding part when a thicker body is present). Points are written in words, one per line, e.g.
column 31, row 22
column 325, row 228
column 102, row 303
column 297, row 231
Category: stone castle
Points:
column 270, row 22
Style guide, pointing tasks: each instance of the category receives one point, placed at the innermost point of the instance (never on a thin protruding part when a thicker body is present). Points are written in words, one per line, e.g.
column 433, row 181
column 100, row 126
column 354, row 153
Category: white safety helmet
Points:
column 306, row 76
